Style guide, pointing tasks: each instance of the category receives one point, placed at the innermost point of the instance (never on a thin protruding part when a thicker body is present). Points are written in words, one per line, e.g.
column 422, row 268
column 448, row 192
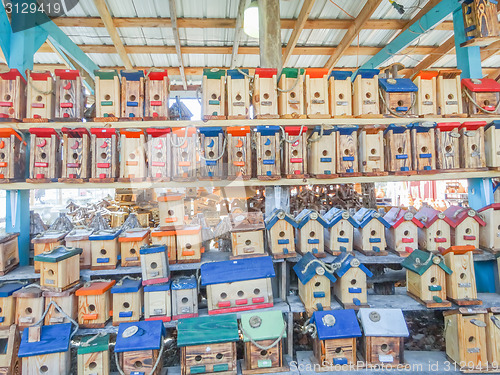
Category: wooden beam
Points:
column 177, row 40
column 436, row 55
column 297, row 30
column 493, row 73
column 238, row 30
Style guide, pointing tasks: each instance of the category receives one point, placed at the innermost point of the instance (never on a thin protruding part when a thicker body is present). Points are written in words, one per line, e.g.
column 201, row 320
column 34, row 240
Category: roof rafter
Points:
column 299, row 26
column 435, row 55
column 177, row 40
column 238, row 29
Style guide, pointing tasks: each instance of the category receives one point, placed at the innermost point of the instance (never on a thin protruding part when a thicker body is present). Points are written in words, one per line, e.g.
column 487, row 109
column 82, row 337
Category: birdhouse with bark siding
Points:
column 398, row 152
column 371, row 150
column 132, row 85
column 423, row 147
column 104, row 145
column 94, row 304
column 70, row 95
column 13, row 92
column 45, row 157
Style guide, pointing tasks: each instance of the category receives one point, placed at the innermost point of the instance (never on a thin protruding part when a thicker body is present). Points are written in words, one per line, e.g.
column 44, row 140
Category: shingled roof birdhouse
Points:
column 369, row 237
column 339, row 234
column 435, row 235
column 402, row 235
column 280, row 234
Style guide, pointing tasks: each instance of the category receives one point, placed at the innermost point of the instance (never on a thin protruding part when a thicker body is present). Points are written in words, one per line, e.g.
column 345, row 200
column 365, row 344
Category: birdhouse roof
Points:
column 396, row 216
column 327, row 130
column 348, row 261
column 276, row 215
column 41, row 76
column 44, row 132
column 211, row 131
column 481, row 85
column 75, row 132
column 340, row 75
column 11, row 75
column 335, row 215
column 156, row 75
column 366, row 73
column 53, row 339
column 494, row 123
column 396, row 129
column 133, row 234
column 428, row 215
column 427, row 74
column 291, row 72
column 365, row 215
column 423, row 126
column 95, row 288
column 262, row 325
column 132, row 133
column 336, row 324
column 472, row 125
column 305, row 215
column 157, row 287
column 6, row 133
column 105, row 235
column 458, row 249
column 397, row 85
column 266, row 72
column 207, row 330
column 28, row 291
column 107, row 74
column 448, row 126
column 6, row 290
column 267, row 129
column 5, row 237
column 214, row 73
column 237, row 270
column 420, row 261
column 158, row 132
column 457, row 214
column 98, row 344
column 103, row 132
column 126, row 286
column 246, row 221
column 132, row 75
column 170, row 197
column 238, row 131
column 317, row 72
column 236, row 74
column 152, row 249
column 57, row 254
column 383, row 322
column 148, row 336
column 492, row 206
column 184, row 282
column 309, row 266
column 67, row 74
column 346, row 129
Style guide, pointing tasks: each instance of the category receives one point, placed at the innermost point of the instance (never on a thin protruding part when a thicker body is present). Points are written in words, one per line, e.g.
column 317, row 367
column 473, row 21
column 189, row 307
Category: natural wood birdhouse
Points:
column 480, row 23
column 10, row 363
column 76, row 163
column 449, row 93
column 127, row 300
column 159, row 154
column 105, row 249
column 154, row 264
column 238, row 94
column 132, row 155
column 79, row 238
column 371, row 150
column 189, row 244
column 280, row 234
column 247, row 235
column 184, row 141
column 108, row 95
column 45, row 242
column 492, row 335
column 70, row 95
column 213, row 101
column 492, row 144
column 310, row 233
column 212, row 153
column 398, row 152
column 448, row 146
column 59, row 268
column 9, row 252
column 171, row 207
column 316, row 93
column 350, row 289
column 104, row 146
column 13, row 92
column 398, row 97
column 291, row 93
column 93, row 355
column 322, row 157
column 41, row 97
column 45, row 158
column 365, row 96
column 481, row 97
column 12, row 156
column 131, row 241
column 29, row 305
column 265, row 94
column 167, row 238
column 423, row 147
column 94, row 304
column 426, row 104
column 295, row 152
column 340, row 90
column 157, row 302
column 489, row 234
column 157, row 90
column 369, row 237
column 8, row 303
column 268, row 152
column 240, row 163
column 435, row 235
column 339, row 234
column 67, row 301
column 184, row 297
column 347, row 150
column 472, row 150
column 132, row 86
column 464, row 224
column 402, row 235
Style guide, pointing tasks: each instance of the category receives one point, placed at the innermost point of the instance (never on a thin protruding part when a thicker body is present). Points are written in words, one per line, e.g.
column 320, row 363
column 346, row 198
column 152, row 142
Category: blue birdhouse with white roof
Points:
column 369, row 236
column 351, row 288
column 268, row 152
column 280, row 229
column 212, row 153
column 310, row 233
column 127, row 300
column 339, row 234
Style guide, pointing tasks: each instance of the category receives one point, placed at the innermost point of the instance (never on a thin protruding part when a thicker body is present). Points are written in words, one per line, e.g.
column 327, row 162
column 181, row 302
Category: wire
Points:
column 342, row 9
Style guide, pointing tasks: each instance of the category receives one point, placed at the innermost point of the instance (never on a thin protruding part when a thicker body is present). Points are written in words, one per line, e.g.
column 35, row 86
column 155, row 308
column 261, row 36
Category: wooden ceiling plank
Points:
column 297, row 30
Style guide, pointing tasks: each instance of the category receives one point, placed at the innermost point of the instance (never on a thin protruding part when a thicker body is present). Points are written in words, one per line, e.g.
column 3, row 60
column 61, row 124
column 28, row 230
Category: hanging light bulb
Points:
column 251, row 19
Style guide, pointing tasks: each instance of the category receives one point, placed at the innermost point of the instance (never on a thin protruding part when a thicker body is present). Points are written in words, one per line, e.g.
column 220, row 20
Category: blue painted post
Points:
column 18, row 221
column 468, row 58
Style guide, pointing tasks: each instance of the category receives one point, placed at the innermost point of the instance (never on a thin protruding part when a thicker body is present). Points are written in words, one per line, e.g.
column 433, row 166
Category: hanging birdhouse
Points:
column 238, row 94
column 213, row 101
column 472, row 150
column 489, row 234
column 310, row 233
column 76, row 164
column 339, row 234
column 8, row 303
column 104, row 146
column 9, row 252
column 168, row 239
column 322, row 152
column 67, row 302
column 398, row 97
column 464, row 224
column 435, row 235
column 127, row 300
column 45, row 158
column 157, row 90
column 402, row 235
column 265, row 93
column 280, row 234
column 189, row 244
column 59, row 268
column 79, row 238
column 108, row 95
column 105, row 249
column 449, row 93
column 316, row 93
column 94, row 304
column 184, row 297
column 481, row 97
column 369, row 237
column 340, row 90
column 239, row 152
column 13, row 92
column 398, row 150
column 247, row 235
column 291, row 94
column 480, row 23
column 426, row 102
column 184, row 141
column 45, row 242
column 371, row 150
column 10, row 363
column 350, row 289
column 448, row 146
column 132, row 155
column 29, row 305
column 159, row 154
column 268, row 152
column 70, row 95
column 423, row 147
column 295, row 152
column 154, row 264
column 347, row 150
column 41, row 97
column 132, row 96
column 131, row 242
column 212, row 153
column 93, row 355
column 157, row 302
column 365, row 95
column 12, row 155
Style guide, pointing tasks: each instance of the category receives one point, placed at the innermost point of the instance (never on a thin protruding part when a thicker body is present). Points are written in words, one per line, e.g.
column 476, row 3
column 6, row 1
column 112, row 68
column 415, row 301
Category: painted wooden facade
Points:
column 480, row 23
column 70, row 95
column 156, row 94
column 398, row 150
column 13, row 92
column 435, row 235
column 240, row 160
column 309, row 233
column 45, row 159
column 104, row 145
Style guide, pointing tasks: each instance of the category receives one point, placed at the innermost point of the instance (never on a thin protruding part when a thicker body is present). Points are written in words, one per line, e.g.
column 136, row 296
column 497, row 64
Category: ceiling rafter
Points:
column 434, row 56
column 177, row 40
column 299, row 26
column 238, row 30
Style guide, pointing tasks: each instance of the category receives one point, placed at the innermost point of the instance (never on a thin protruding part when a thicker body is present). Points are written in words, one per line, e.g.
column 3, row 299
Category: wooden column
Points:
column 270, row 34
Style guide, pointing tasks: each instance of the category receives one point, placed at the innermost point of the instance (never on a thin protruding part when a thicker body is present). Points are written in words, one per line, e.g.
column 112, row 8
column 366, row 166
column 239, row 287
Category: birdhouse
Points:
column 9, row 360
column 157, row 302
column 489, row 237
column 398, row 159
column 310, row 233
column 131, row 242
column 316, row 93
column 351, row 289
column 171, row 208
column 70, row 95
column 212, row 153
column 340, row 231
column 45, row 242
column 347, row 150
column 127, row 300
column 295, row 152
column 247, row 235
column 384, row 331
column 492, row 144
column 280, row 228
column 159, row 154
column 157, row 90
column 464, row 224
column 59, row 268
column 238, row 94
column 423, row 147
column 481, row 97
column 336, row 335
column 435, row 235
column 212, row 349
column 79, row 238
column 12, row 155
column 132, row 155
column 340, row 90
column 108, row 95
column 154, row 264
column 461, row 284
column 426, row 104
column 184, row 143
column 268, row 152
column 369, row 237
column 13, row 92
column 238, row 285
column 29, row 305
column 9, row 252
column 45, row 158
column 105, row 249
column 263, row 329
column 40, row 97
column 8, row 304
column 426, row 279
column 213, row 101
column 472, row 150
column 365, row 94
column 66, row 300
column 449, row 93
column 314, row 283
column 492, row 335
column 168, row 239
column 291, row 94
column 239, row 152
column 480, row 23
column 139, row 346
column 132, row 96
column 93, row 355
column 371, row 150
column 265, row 93
column 76, row 164
column 189, row 244
column 46, row 350
column 184, row 297
column 104, row 146
column 94, row 304
column 398, row 96
column 402, row 235
column 322, row 152
column 447, row 146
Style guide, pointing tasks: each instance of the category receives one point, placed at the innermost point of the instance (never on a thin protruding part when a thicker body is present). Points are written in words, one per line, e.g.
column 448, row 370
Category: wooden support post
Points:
column 270, row 34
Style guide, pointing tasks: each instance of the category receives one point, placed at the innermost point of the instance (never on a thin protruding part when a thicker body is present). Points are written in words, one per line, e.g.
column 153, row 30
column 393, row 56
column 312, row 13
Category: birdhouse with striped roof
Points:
column 12, row 155
column 132, row 155
column 10, row 363
column 238, row 94
column 265, row 93
column 159, row 154
column 184, row 297
column 480, row 23
column 322, row 157
column 104, row 146
column 472, row 150
column 489, row 234
column 240, row 163
column 132, row 96
column 189, row 244
column 295, row 152
column 247, row 234
column 156, row 94
column 40, row 97
column 70, row 95
column 183, row 142
column 493, row 334
column 212, row 153
column 9, row 252
column 449, row 93
column 481, row 97
column 423, row 146
column 93, row 355
column 8, row 303
column 448, row 146
column 79, row 238
column 492, row 144
column 371, row 150
column 310, row 233
column 347, row 150
column 369, row 237
column 29, row 305
column 108, row 95
column 402, row 234
column 316, row 93
column 131, row 241
column 13, row 92
column 213, row 101
column 94, row 304
column 154, row 264
column 105, row 249
column 127, row 300
column 340, row 90
column 365, row 97
column 291, row 93
column 465, row 223
column 426, row 104
column 59, row 268
column 45, row 242
column 268, row 143
column 157, row 302
column 398, row 152
column 280, row 228
column 398, row 97
column 350, row 289
column 45, row 158
column 339, row 234
column 435, row 234
column 76, row 163
column 165, row 237
column 66, row 302
column 171, row 208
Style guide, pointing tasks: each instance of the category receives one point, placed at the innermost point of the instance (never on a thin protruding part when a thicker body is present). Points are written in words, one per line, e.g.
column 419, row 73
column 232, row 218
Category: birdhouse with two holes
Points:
column 448, row 146
column 157, row 302
column 369, row 237
column 45, row 157
column 46, row 350
column 314, row 283
column 426, row 104
column 239, row 152
column 70, row 95
column 371, row 150
column 79, row 238
column 12, row 156
column 66, row 300
column 10, row 363
column 127, row 300
column 154, row 264
column 449, row 93
column 131, row 241
column 208, row 344
column 59, row 268
column 189, row 244
column 398, row 157
column 310, row 233
column 265, row 93
column 45, row 242
column 365, row 97
column 40, row 97
column 9, row 252
column 295, row 152
column 108, row 95
column 481, row 97
column 8, row 303
column 472, row 150
column 435, row 235
column 105, row 249
column 480, row 23
column 316, row 93
column 340, row 231
column 398, row 96
column 104, row 146
column 268, row 152
column 159, row 153
column 139, row 346
column 184, row 291
column 212, row 153
column 322, row 158
column 94, row 304
column 167, row 238
column 238, row 285
column 247, row 234
column 489, row 234
column 238, row 94
column 132, row 155
column 493, row 334
column 280, row 228
column 184, row 141
column 263, row 335
column 347, row 150
column 340, row 91
column 291, row 95
column 492, row 144
column 465, row 223
column 132, row 86
column 13, row 92
column 93, row 355
column 29, row 305
column 156, row 91
column 351, row 289
column 423, row 146
column 402, row 234
column 213, row 101
column 171, row 208
column 76, row 164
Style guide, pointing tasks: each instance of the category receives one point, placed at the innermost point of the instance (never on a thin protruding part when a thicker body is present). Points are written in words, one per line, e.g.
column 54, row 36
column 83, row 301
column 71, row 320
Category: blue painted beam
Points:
column 17, row 220
column 5, row 33
column 468, row 58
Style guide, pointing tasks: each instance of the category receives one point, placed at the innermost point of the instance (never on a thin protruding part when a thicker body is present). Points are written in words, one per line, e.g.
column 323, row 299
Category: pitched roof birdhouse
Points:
column 351, row 289
column 154, row 264
column 481, row 96
column 59, row 268
column 435, row 235
column 365, row 97
column 132, row 86
column 265, row 94
column 480, row 23
column 426, row 104
column 29, row 305
column 157, row 302
column 449, row 93
column 310, row 233
column 104, row 145
column 423, row 147
column 472, row 150
column 316, row 93
column 157, row 90
column 322, row 157
column 268, row 152
column 9, row 360
column 159, row 154
column 184, row 297
column 108, row 94
column 12, row 155
column 447, row 146
column 41, row 97
column 132, row 155
column 8, row 304
column 93, row 355
column 340, row 231
column 213, row 101
column 347, row 150
column 70, row 95
column 340, row 90
column 105, row 249
column 371, row 150
column 247, row 234
column 76, row 163
column 212, row 153
column 13, row 92
column 238, row 94
column 168, row 239
column 45, row 158
column 280, row 234
column 240, row 161
column 295, row 152
column 67, row 303
column 398, row 96
column 184, row 141
column 189, row 244
column 9, row 252
column 402, row 234
column 369, row 237
column 127, row 300
column 464, row 224
column 489, row 234
column 398, row 151
column 94, row 304
column 291, row 93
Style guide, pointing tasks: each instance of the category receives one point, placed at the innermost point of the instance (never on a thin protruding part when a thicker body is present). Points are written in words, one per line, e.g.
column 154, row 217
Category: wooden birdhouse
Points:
column 489, row 234
column 168, row 239
column 184, row 291
column 94, row 304
column 9, row 360
column 263, row 329
column 132, row 155
column 316, row 93
column 314, row 283
column 295, row 152
column 79, row 238
column 398, row 97
column 347, row 150
column 291, row 94
column 9, row 252
column 239, row 152
column 480, row 23
column 351, row 289
column 449, row 93
column 461, row 283
column 154, row 264
column 238, row 94
column 447, row 146
column 464, row 224
column 159, row 154
column 340, row 231
column 398, row 160
column 183, row 142
column 139, row 346
column 12, row 155
column 127, row 300
column 8, row 303
column 132, row 96
column 76, row 163
column 45, row 156
column 280, row 228
column 29, row 305
column 402, row 235
column 335, row 341
column 426, row 104
column 481, row 97
column 238, row 285
column 472, row 150
column 340, row 90
column 105, row 249
column 265, row 94
column 492, row 144
column 212, row 349
column 213, row 101
column 171, row 207
column 365, row 96
column 322, row 152
column 40, row 97
column 104, row 146
column 189, row 244
column 45, row 242
column 310, row 233
column 423, row 147
column 157, row 90
column 13, row 92
column 369, row 237
column 70, row 95
column 93, row 355
column 435, row 235
column 426, row 279
column 46, row 350
column 131, row 242
column 268, row 152
column 384, row 331
column 371, row 150
column 108, row 95
column 66, row 300
column 247, row 235
column 212, row 153
column 157, row 302
column 493, row 335
column 59, row 268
